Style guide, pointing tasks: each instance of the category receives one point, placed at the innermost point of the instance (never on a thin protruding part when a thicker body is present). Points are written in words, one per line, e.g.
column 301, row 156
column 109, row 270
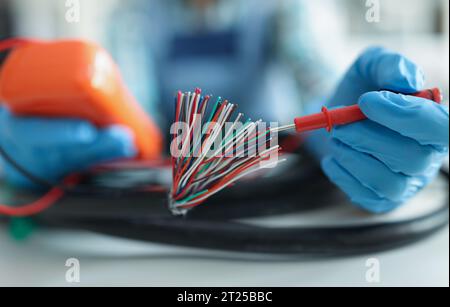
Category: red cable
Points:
column 36, row 207
column 42, row 204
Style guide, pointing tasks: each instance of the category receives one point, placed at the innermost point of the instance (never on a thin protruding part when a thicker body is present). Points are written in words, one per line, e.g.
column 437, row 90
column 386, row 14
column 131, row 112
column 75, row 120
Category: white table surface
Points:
column 121, row 263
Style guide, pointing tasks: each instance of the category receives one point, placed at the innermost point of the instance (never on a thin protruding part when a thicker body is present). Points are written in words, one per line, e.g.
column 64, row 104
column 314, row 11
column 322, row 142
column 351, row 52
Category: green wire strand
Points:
column 192, row 197
column 219, row 99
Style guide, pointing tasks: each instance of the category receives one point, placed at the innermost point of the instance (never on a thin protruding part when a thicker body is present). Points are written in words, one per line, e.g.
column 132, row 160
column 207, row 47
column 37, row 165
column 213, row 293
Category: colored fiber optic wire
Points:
column 199, row 168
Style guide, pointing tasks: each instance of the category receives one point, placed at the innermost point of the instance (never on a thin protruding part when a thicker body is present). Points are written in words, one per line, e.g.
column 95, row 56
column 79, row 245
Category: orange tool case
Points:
column 75, row 79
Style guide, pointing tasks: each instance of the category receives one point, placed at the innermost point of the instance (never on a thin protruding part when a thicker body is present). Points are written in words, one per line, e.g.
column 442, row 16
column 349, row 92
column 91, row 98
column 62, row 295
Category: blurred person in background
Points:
column 265, row 56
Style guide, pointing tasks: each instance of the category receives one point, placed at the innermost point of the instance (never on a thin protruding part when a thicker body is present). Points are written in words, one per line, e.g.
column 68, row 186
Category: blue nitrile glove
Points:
column 53, row 148
column 382, row 162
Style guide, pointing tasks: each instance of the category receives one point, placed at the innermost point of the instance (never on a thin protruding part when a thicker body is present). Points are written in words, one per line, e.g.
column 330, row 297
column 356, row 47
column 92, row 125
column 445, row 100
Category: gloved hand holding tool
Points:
column 67, row 109
column 383, row 161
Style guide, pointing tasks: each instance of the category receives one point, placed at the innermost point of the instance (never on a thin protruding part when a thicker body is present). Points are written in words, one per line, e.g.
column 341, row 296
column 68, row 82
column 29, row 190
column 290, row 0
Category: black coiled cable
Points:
column 145, row 218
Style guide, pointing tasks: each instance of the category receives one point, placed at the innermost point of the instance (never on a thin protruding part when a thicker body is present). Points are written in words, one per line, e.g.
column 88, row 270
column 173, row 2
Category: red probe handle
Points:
column 347, row 115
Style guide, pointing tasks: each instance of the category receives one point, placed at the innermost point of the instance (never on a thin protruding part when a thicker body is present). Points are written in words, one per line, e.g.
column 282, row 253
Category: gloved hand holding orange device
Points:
column 67, row 108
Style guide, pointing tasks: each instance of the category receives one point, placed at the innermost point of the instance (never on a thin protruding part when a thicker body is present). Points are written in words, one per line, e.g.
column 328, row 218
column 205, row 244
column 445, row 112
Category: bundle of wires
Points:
column 211, row 149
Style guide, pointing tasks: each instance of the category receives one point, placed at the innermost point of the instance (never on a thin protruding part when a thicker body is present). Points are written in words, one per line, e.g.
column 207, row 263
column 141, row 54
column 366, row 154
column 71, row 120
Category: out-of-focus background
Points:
column 417, row 28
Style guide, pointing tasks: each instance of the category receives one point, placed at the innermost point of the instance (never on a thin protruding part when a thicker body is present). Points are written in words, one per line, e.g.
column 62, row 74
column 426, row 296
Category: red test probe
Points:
column 342, row 116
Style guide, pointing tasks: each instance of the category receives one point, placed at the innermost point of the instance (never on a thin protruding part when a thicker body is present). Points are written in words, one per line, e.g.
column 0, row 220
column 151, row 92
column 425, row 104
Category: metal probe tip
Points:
column 283, row 128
